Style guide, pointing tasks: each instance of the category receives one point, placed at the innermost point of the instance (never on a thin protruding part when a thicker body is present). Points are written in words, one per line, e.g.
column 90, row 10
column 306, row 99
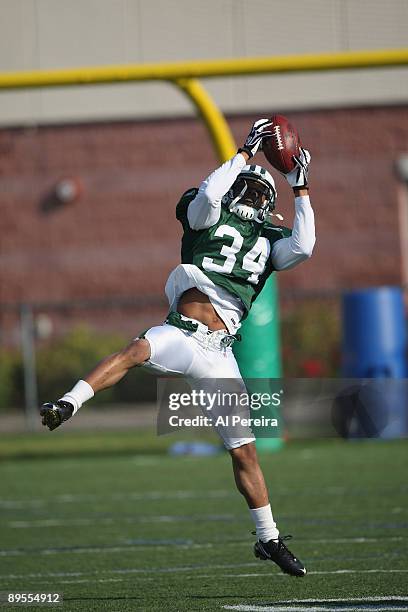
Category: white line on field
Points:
column 195, row 568
column 357, row 603
column 360, row 540
column 341, row 599
column 81, row 522
column 172, row 518
column 145, row 544
column 317, row 572
column 363, row 571
column 69, row 498
column 99, row 549
column 321, row 608
column 94, row 581
column 143, row 570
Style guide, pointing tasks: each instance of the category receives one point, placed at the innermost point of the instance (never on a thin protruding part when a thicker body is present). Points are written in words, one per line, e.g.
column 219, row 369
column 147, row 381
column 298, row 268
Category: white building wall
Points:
column 40, row 34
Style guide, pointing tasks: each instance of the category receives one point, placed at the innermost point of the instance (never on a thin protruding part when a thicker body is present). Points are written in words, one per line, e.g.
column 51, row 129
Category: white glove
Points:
column 298, row 176
column 256, row 135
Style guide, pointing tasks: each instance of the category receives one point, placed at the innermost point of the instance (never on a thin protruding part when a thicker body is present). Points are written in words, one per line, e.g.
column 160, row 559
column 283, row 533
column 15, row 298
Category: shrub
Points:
column 62, row 362
column 10, row 364
column 311, row 339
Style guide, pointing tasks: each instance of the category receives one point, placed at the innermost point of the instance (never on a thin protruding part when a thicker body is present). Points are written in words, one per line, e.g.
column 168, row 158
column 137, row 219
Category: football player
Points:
column 230, row 246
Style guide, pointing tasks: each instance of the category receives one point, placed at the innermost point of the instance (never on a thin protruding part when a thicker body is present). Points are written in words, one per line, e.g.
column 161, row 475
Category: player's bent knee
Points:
column 136, row 353
column 244, row 455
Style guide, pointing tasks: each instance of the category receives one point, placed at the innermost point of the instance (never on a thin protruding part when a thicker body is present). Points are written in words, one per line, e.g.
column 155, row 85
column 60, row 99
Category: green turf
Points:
column 152, row 532
column 82, row 443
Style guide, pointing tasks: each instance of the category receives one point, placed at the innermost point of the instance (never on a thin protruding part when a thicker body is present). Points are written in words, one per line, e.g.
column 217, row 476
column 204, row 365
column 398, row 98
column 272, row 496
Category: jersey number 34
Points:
column 254, row 261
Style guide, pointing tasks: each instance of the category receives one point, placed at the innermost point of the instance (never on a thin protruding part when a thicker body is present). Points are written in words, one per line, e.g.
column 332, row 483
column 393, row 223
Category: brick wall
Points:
column 122, row 239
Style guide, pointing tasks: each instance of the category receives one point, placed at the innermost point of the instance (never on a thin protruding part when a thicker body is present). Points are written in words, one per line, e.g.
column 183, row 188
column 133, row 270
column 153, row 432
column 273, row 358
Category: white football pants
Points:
column 177, row 351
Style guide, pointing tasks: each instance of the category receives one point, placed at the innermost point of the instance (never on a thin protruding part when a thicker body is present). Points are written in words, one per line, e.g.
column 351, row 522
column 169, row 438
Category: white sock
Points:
column 79, row 394
column 265, row 525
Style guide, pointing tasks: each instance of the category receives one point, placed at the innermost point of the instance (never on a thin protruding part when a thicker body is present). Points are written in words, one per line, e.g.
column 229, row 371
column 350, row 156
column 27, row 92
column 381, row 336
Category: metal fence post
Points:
column 29, row 365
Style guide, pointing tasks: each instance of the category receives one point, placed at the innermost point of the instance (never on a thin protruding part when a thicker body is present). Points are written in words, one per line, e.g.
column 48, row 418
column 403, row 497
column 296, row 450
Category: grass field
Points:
column 145, row 531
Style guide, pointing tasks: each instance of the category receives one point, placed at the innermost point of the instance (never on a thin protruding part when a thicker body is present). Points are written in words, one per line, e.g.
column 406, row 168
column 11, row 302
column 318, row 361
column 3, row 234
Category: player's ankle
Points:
column 266, row 529
column 79, row 394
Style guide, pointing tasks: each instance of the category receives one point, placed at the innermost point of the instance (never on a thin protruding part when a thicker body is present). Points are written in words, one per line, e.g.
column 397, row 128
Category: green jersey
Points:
column 233, row 253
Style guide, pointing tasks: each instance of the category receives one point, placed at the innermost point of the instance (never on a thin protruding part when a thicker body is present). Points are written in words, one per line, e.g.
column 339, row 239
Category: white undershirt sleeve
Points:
column 288, row 252
column 204, row 211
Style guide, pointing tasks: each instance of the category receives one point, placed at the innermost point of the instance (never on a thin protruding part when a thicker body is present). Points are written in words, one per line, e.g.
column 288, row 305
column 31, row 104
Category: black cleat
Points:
column 277, row 552
column 55, row 413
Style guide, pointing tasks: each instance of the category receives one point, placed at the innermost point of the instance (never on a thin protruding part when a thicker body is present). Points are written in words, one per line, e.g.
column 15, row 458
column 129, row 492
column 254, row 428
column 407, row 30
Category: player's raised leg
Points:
column 112, row 369
column 105, row 374
column 163, row 346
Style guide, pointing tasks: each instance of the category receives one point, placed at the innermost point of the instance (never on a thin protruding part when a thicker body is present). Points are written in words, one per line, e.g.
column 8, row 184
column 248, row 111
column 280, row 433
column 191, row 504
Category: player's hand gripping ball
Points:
column 298, row 177
column 259, row 132
column 283, row 145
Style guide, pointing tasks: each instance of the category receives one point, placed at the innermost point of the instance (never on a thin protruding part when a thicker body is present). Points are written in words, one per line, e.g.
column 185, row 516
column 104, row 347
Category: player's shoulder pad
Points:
column 186, row 198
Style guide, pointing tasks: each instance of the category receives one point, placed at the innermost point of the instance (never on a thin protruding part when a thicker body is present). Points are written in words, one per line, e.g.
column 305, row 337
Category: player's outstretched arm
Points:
column 204, row 210
column 289, row 252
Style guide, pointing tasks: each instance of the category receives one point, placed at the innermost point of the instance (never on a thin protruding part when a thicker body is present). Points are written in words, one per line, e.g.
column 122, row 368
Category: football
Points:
column 282, row 145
